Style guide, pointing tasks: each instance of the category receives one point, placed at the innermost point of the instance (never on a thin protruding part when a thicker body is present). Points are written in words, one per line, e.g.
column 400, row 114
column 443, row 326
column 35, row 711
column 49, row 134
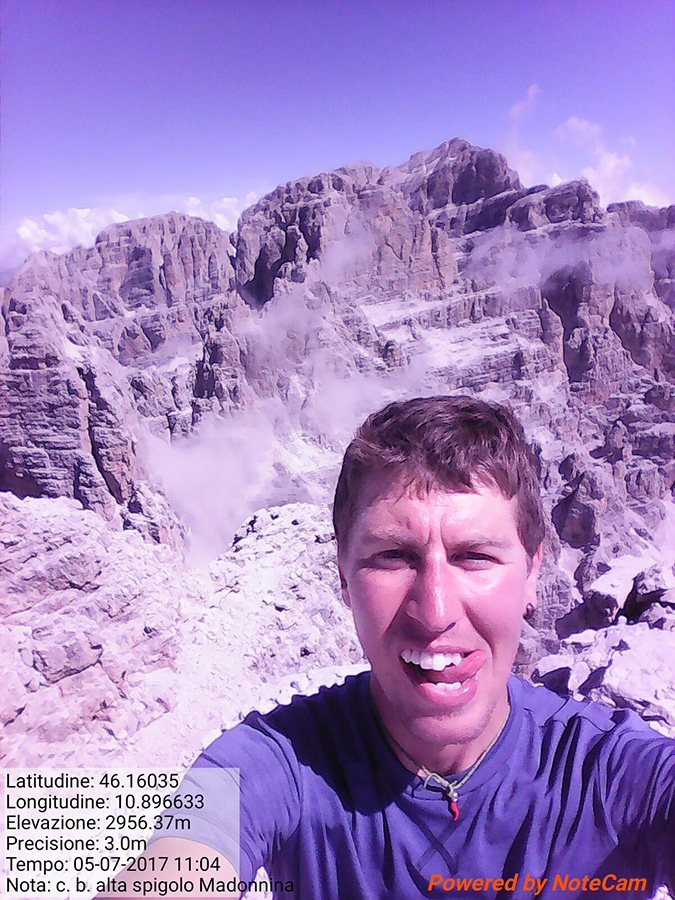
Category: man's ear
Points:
column 344, row 589
column 533, row 574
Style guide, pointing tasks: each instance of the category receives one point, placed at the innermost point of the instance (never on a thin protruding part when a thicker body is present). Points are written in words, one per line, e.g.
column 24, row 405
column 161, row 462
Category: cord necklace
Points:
column 449, row 788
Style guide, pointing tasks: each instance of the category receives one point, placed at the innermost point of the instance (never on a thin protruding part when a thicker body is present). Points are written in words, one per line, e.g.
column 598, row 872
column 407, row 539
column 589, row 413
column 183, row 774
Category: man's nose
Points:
column 435, row 597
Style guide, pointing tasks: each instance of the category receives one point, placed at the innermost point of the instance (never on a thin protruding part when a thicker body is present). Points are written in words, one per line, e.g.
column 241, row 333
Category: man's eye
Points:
column 474, row 559
column 392, row 557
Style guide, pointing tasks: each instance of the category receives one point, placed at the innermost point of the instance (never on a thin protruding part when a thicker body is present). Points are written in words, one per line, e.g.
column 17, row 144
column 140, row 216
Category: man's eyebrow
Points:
column 481, row 540
column 384, row 535
column 394, row 535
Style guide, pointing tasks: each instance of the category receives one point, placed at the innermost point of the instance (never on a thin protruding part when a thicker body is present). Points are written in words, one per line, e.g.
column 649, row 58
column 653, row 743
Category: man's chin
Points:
column 441, row 731
column 436, row 718
column 427, row 708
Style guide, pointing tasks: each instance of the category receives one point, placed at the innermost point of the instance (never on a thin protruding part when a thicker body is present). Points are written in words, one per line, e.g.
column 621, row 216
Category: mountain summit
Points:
column 171, row 348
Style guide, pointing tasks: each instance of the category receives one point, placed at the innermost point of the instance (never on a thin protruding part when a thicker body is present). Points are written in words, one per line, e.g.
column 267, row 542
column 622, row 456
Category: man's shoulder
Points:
column 548, row 710
column 325, row 723
column 342, row 701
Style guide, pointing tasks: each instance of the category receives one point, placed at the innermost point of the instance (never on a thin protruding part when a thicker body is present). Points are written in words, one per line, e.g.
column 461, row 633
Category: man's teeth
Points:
column 431, row 661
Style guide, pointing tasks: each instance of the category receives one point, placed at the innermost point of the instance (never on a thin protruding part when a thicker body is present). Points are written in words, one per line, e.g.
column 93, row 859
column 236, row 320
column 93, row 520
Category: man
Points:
column 436, row 773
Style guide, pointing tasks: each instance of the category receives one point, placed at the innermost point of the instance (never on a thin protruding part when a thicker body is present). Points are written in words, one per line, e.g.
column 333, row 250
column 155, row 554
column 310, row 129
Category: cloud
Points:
column 61, row 230
column 611, row 170
column 224, row 212
column 57, row 231
column 528, row 163
column 608, row 174
column 586, row 134
column 508, row 260
column 212, row 479
column 519, row 109
column 648, row 193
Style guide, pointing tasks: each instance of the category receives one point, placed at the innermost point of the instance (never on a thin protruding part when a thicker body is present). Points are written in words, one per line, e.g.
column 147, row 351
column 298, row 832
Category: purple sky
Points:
column 117, row 108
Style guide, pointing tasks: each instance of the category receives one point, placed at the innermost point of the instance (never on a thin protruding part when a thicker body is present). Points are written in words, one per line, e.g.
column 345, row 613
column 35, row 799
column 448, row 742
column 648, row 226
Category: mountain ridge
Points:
column 171, row 350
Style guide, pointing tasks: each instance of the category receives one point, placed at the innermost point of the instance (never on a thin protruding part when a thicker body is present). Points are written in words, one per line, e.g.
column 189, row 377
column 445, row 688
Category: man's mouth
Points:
column 451, row 669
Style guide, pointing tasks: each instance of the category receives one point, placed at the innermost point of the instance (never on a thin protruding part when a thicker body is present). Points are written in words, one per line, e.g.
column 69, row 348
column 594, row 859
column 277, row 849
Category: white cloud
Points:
column 608, row 175
column 586, row 134
column 648, row 193
column 524, row 160
column 224, row 212
column 610, row 172
column 520, row 108
column 212, row 479
column 57, row 231
column 61, row 230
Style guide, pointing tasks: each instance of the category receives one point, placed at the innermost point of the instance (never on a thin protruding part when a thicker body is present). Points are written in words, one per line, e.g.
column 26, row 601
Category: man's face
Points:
column 438, row 583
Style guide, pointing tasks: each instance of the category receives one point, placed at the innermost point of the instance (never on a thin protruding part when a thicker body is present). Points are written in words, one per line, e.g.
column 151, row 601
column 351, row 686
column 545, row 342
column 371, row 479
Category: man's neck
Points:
column 421, row 756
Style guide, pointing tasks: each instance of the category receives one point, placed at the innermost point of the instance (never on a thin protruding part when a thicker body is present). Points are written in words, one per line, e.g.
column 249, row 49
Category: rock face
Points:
column 79, row 329
column 89, row 628
column 111, row 647
column 336, row 293
column 622, row 666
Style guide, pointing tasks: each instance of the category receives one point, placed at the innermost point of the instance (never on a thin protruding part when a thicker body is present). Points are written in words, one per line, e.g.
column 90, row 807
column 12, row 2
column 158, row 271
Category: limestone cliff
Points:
column 336, row 292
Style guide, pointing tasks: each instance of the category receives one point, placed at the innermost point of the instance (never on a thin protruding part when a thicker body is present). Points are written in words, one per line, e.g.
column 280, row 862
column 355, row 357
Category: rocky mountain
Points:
column 159, row 387
column 111, row 649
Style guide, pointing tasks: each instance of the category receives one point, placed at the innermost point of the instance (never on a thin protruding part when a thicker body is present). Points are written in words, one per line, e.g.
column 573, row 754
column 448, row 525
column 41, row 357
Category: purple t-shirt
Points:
column 569, row 791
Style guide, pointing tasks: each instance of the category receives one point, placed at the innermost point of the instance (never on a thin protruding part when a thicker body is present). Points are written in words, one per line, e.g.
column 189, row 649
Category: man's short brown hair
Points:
column 453, row 443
